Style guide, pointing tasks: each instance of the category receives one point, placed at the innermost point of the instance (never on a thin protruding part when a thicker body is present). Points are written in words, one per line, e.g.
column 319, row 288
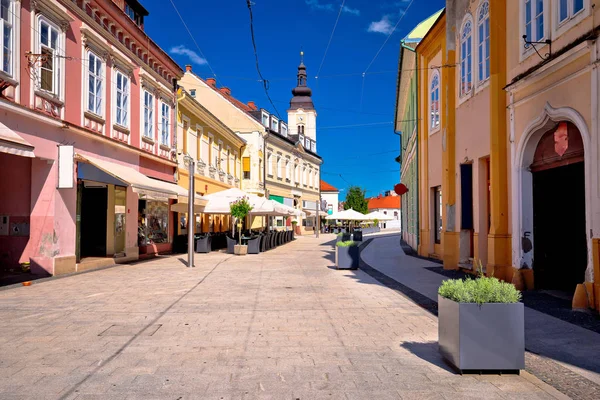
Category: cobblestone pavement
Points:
column 280, row 325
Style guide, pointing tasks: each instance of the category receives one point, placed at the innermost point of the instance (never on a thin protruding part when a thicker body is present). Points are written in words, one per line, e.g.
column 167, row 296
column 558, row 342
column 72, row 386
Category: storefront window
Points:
column 153, row 222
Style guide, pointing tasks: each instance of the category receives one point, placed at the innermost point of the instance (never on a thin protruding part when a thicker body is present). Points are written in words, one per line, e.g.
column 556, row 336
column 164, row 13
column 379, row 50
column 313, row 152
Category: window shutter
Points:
column 246, row 161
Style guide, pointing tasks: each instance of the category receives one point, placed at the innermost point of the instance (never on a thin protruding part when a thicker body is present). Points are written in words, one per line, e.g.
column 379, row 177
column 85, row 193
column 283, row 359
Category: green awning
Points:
column 278, row 199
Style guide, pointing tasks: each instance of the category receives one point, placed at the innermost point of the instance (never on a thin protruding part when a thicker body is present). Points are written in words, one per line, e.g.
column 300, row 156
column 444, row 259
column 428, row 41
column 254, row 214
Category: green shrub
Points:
column 481, row 290
column 349, row 243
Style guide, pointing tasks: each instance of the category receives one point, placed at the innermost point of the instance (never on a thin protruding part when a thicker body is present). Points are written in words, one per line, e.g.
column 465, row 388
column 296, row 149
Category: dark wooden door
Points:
column 94, row 203
column 560, row 245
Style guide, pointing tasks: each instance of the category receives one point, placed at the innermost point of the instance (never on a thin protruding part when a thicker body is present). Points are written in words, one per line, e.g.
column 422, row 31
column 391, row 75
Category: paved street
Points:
column 281, row 325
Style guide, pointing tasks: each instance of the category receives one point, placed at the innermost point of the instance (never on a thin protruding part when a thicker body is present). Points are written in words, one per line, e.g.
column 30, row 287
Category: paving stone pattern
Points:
column 280, row 325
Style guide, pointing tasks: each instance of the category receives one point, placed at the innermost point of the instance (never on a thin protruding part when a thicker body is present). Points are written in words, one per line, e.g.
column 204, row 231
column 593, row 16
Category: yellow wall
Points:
column 429, row 55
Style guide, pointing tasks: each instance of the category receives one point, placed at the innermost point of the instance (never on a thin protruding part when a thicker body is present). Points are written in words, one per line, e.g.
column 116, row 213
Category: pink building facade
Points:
column 87, row 115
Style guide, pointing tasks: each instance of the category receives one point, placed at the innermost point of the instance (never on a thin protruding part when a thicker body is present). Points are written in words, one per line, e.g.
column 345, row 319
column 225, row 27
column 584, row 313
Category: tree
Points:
column 355, row 199
column 239, row 210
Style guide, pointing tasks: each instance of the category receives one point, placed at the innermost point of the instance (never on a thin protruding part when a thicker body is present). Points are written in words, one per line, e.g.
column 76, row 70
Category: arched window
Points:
column 483, row 41
column 434, row 100
column 466, row 57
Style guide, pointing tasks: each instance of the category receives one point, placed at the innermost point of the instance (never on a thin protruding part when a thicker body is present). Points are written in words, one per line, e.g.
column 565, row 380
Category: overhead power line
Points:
column 330, row 38
column 193, row 39
column 357, row 125
column 264, row 81
column 389, row 36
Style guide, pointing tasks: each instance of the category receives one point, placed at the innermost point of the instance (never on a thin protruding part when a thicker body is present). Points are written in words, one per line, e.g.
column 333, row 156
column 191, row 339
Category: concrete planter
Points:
column 479, row 338
column 240, row 249
column 347, row 257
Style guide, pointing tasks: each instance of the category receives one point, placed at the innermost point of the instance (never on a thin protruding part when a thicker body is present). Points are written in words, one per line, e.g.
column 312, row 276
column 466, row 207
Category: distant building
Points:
column 389, row 205
column 330, row 198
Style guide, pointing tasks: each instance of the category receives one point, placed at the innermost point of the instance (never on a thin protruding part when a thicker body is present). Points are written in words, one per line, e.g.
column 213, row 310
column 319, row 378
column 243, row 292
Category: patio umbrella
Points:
column 218, row 203
column 378, row 215
column 348, row 215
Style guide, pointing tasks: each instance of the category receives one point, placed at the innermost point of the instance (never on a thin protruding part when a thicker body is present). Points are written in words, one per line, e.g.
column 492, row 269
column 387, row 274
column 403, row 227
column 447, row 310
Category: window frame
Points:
column 99, row 111
column 127, row 108
column 265, row 116
column 527, row 51
column 483, row 45
column 433, row 127
column 438, row 216
column 167, row 125
column 57, row 64
column 270, row 164
column 12, row 22
column 279, row 168
column 148, row 133
column 463, row 58
column 560, row 27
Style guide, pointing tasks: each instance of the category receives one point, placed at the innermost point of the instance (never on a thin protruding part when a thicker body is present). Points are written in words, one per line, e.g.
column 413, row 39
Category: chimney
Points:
column 252, row 105
column 188, row 68
column 225, row 90
column 211, row 82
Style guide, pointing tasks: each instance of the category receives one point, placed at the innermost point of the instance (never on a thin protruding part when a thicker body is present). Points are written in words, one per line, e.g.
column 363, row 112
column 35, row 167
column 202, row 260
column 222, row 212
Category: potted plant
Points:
column 239, row 210
column 347, row 254
column 295, row 227
column 481, row 324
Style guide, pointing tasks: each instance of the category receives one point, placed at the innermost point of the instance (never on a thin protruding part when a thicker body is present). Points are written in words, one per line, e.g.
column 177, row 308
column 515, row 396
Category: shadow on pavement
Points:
column 428, row 351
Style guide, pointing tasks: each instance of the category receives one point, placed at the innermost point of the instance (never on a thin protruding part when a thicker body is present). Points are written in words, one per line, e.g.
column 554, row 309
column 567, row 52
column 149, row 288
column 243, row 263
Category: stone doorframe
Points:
column 522, row 182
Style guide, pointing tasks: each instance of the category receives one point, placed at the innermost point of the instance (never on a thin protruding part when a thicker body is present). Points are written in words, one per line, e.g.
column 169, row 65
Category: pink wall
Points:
column 157, row 170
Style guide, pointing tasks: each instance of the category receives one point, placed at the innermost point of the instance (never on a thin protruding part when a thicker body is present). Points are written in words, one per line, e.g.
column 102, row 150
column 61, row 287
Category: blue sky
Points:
column 363, row 155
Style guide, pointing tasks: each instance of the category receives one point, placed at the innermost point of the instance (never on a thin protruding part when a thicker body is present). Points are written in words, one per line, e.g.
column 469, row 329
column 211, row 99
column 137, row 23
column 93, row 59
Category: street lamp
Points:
column 190, row 163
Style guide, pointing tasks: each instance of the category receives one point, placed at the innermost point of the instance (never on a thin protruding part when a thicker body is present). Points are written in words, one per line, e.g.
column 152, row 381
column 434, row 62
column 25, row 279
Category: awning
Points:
column 146, row 187
column 12, row 143
column 313, row 212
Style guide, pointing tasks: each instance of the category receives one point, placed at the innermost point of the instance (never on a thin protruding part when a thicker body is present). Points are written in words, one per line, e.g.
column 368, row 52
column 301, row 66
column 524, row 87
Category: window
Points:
column 122, row 99
column 434, row 105
column 148, row 114
column 288, row 171
column 94, row 103
column 304, row 180
column 49, row 72
column 279, row 172
column 228, row 161
column 193, row 92
column 466, row 58
column 567, row 9
column 284, row 130
column 534, row 20
column 6, row 27
column 300, row 129
column 165, row 128
column 265, row 119
column 270, row 164
column 483, row 41
column 137, row 18
column 274, row 124
column 246, row 167
column 218, row 157
column 211, row 151
column 437, row 214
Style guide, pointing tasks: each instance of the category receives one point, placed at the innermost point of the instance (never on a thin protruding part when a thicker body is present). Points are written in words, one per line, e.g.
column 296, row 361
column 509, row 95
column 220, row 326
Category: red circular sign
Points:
column 400, row 189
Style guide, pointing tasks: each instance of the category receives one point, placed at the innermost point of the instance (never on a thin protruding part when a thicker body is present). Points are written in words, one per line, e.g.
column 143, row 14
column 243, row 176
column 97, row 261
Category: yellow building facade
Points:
column 552, row 144
column 217, row 152
column 508, row 176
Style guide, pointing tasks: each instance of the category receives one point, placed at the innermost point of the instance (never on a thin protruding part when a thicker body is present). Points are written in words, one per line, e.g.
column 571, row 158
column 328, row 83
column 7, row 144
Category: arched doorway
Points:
column 559, row 208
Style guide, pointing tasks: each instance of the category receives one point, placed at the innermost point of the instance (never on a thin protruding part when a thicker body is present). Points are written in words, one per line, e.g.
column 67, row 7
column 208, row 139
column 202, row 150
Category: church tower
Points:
column 302, row 116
